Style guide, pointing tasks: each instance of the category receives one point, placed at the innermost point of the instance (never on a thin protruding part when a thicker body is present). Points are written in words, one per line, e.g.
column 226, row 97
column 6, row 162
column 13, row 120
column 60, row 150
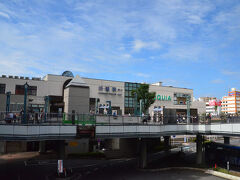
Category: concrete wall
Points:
column 200, row 106
column 116, row 98
column 2, row 147
column 14, row 99
column 168, row 91
column 76, row 98
column 51, row 85
column 16, row 146
column 77, row 146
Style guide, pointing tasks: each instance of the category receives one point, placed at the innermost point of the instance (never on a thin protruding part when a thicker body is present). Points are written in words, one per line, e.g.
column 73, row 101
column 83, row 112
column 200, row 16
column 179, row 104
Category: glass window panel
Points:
column 2, row 88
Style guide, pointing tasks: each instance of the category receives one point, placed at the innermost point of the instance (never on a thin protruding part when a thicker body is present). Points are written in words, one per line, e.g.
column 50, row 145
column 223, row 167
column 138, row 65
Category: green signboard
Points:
column 162, row 98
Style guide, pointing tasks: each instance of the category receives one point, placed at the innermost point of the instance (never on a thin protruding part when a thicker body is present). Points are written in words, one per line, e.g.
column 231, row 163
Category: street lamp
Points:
column 24, row 120
column 188, row 109
column 46, row 99
column 109, row 107
column 8, row 102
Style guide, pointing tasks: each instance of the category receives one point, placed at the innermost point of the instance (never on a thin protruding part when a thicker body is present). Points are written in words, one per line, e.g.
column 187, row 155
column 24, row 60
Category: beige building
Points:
column 67, row 93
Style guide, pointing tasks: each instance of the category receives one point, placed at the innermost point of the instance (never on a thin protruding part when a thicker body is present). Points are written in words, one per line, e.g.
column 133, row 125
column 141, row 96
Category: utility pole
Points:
column 24, row 120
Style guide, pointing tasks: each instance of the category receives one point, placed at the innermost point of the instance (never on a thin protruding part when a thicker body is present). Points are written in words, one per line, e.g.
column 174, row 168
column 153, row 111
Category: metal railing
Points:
column 98, row 119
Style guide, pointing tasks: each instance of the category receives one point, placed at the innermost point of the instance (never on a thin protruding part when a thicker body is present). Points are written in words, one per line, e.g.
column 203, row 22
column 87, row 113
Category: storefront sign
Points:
column 110, row 90
column 162, row 98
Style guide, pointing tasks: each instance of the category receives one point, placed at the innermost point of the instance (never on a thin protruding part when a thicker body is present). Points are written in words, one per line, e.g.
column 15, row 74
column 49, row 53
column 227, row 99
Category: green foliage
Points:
column 221, row 170
column 147, row 97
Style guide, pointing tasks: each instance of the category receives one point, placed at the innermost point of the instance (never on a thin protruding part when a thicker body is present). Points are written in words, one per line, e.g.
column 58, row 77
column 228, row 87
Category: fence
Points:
column 97, row 119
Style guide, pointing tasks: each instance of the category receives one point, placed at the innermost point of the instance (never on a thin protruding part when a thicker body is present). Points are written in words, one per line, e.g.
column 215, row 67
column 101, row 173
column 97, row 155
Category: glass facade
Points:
column 129, row 100
column 2, row 88
column 32, row 90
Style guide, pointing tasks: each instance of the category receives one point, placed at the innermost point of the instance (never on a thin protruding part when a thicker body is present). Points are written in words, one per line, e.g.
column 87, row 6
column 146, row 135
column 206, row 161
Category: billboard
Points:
column 215, row 103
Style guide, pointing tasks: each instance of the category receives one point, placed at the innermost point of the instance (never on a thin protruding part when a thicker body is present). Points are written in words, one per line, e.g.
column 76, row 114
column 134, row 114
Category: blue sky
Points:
column 193, row 44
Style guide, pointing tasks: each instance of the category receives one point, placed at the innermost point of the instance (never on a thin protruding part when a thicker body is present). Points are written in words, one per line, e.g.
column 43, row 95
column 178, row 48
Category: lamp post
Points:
column 97, row 100
column 8, row 102
column 141, row 110
column 24, row 120
column 109, row 107
column 46, row 99
column 188, row 109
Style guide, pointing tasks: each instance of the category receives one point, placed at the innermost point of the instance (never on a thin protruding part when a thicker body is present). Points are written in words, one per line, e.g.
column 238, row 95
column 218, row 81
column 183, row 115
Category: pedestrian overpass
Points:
column 100, row 126
column 103, row 126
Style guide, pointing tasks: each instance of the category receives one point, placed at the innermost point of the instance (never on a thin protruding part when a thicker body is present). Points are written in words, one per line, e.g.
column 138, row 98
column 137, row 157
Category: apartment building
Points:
column 231, row 103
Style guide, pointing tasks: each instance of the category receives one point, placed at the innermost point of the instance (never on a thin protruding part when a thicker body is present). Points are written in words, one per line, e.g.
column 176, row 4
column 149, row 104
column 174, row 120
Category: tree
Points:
column 147, row 97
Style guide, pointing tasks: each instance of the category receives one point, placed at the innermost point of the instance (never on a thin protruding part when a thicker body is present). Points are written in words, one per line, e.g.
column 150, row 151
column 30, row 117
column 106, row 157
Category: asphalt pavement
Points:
column 106, row 169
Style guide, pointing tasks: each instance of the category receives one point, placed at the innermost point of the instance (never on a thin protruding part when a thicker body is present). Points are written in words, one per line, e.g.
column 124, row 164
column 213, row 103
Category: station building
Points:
column 66, row 93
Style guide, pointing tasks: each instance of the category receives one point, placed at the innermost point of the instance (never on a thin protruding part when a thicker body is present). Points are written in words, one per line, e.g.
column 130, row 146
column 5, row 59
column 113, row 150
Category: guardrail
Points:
column 164, row 130
column 98, row 119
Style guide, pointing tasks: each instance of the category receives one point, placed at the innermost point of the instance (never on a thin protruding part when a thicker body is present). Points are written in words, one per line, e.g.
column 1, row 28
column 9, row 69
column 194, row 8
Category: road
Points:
column 104, row 169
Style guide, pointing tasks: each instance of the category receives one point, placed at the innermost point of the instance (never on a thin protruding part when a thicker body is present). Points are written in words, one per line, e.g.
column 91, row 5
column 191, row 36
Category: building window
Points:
column 2, row 88
column 100, row 88
column 180, row 98
column 114, row 89
column 107, row 89
column 32, row 90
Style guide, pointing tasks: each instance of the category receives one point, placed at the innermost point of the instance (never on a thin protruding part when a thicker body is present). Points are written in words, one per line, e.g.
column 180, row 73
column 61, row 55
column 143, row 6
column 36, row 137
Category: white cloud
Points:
column 217, row 81
column 95, row 34
column 127, row 56
column 144, row 75
column 5, row 15
column 193, row 19
column 227, row 72
column 184, row 52
column 138, row 45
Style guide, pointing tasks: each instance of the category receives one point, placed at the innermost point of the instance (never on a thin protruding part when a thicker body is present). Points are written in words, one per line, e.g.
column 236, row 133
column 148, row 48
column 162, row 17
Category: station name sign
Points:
column 162, row 98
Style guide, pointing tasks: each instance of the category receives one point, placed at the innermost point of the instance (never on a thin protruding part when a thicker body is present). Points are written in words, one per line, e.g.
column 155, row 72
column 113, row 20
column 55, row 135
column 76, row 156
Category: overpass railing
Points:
column 98, row 119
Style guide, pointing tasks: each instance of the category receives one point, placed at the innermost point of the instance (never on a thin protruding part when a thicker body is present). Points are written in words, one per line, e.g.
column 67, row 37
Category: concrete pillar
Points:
column 199, row 144
column 143, row 153
column 128, row 147
column 167, row 142
column 61, row 149
column 2, row 147
column 42, row 147
column 113, row 144
column 226, row 140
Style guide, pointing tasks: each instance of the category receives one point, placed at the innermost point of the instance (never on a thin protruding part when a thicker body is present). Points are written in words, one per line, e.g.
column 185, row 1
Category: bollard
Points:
column 215, row 166
column 228, row 166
